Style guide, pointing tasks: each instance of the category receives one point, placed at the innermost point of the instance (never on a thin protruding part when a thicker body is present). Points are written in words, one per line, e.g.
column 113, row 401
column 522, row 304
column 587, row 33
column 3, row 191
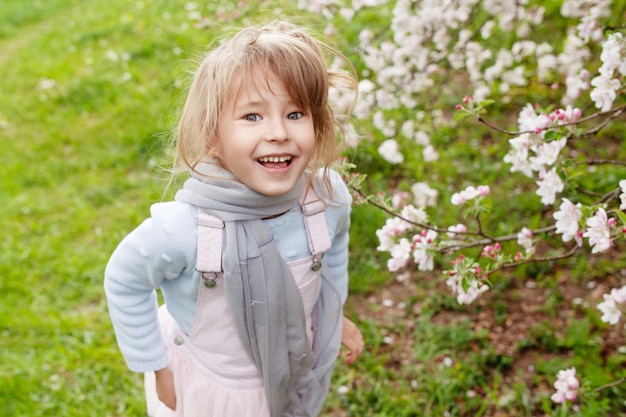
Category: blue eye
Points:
column 295, row 115
column 252, row 117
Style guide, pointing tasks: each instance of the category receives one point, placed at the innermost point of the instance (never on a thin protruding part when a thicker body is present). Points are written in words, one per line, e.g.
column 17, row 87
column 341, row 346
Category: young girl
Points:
column 251, row 257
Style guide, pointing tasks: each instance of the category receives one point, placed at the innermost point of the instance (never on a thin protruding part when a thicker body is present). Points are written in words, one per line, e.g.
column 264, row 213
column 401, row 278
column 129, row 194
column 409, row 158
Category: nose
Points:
column 276, row 130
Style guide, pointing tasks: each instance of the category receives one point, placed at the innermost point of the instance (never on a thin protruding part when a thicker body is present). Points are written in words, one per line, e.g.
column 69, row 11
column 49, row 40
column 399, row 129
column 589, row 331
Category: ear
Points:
column 212, row 151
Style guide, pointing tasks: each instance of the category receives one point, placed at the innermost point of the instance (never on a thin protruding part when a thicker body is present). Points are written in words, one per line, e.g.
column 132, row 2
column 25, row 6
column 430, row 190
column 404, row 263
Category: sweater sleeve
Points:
column 338, row 219
column 154, row 252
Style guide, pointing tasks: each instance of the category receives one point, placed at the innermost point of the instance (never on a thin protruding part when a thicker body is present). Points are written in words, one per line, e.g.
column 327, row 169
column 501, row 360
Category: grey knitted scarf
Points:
column 262, row 296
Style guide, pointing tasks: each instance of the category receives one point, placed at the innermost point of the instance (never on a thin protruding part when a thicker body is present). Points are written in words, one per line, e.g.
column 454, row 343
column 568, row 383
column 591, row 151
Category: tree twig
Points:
column 613, row 114
column 565, row 255
column 609, row 385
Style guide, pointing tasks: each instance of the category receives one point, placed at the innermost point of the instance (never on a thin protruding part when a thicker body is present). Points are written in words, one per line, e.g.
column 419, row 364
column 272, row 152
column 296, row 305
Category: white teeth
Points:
column 275, row 159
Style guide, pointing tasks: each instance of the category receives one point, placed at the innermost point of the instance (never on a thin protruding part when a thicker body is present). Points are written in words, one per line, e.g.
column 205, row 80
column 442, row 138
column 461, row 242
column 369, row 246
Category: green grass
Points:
column 89, row 92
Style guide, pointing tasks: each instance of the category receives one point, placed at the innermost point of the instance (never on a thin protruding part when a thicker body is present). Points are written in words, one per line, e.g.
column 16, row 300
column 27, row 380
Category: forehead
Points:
column 256, row 86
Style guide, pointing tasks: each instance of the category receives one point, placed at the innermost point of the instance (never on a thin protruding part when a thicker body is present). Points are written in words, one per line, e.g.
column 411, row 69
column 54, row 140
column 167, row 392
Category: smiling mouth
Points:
column 275, row 161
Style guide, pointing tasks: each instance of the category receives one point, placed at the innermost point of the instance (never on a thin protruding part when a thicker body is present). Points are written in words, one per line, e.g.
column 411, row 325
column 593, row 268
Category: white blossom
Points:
column 423, row 195
column 390, row 152
column 598, row 231
column 610, row 312
column 422, row 254
column 525, row 239
column 622, row 196
column 549, row 185
column 567, row 218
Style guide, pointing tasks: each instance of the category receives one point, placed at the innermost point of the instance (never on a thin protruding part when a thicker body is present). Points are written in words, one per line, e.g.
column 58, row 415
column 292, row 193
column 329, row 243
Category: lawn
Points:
column 89, row 92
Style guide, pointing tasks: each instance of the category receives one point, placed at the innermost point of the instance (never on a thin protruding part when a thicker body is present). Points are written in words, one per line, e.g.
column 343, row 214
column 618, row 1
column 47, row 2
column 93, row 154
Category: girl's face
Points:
column 266, row 140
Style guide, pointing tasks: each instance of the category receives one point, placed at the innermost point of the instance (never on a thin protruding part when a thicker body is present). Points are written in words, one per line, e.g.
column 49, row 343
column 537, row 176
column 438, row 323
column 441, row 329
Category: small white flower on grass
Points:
column 46, row 84
column 566, row 386
column 112, row 55
column 402, row 277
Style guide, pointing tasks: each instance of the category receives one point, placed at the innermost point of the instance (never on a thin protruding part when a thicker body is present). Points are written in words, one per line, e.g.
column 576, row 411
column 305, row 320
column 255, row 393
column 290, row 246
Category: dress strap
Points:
column 210, row 228
column 209, row 255
column 316, row 227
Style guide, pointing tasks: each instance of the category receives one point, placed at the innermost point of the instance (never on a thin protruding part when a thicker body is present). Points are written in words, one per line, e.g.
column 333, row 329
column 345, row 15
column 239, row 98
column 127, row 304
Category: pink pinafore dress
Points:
column 213, row 375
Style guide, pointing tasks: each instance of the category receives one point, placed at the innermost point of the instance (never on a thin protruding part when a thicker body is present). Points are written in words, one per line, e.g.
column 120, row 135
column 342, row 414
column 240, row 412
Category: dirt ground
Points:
column 527, row 304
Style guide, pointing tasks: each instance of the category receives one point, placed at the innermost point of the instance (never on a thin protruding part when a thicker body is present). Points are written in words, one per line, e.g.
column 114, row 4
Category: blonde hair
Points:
column 296, row 58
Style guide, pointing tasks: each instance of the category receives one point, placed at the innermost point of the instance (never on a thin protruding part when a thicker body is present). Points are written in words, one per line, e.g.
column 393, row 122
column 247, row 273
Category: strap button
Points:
column 317, row 265
column 209, row 279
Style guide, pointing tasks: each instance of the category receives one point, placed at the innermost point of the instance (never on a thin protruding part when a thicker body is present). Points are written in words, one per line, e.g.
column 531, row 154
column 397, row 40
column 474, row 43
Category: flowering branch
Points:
column 612, row 114
column 423, row 55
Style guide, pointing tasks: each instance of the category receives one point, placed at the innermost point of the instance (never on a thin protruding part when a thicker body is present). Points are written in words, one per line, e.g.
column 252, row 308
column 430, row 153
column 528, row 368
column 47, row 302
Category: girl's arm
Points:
column 338, row 219
column 151, row 254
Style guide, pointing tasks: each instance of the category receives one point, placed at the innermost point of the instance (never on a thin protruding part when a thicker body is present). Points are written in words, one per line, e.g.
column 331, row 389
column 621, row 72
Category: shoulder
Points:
column 170, row 225
column 338, row 204
column 173, row 216
column 338, row 194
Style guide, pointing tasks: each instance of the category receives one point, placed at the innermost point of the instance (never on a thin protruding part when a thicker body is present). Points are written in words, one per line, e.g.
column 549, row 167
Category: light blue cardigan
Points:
column 161, row 253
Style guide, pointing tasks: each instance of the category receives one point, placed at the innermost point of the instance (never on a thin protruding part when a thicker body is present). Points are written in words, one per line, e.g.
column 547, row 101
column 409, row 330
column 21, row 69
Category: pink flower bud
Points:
column 577, row 113
column 611, row 222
